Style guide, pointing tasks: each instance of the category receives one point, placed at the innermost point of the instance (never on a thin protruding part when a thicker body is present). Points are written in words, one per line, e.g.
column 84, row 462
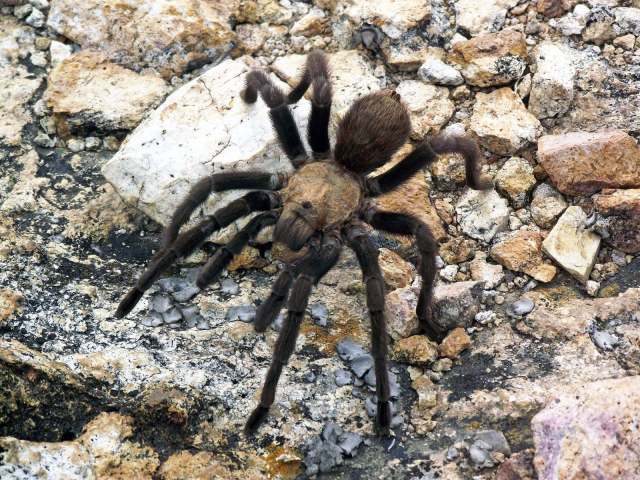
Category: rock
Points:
column 402, row 320
column 88, row 89
column 626, row 41
column 406, row 53
column 579, row 163
column 166, row 35
column 571, row 246
column 456, row 304
column 547, row 205
column 448, row 171
column 521, row 251
column 515, row 179
column 415, row 350
column 564, row 432
column 393, row 18
column 429, row 106
column 486, row 445
column 489, row 18
column 17, row 86
column 552, row 8
column 9, row 303
column 519, row 466
column 23, row 197
column 313, row 23
column 628, row 19
column 502, row 123
column 263, row 11
column 231, row 135
column 457, row 250
column 601, row 27
column 492, row 59
column 434, row 70
column 573, row 23
column 201, row 466
column 482, row 271
column 482, row 214
column 396, row 271
column 621, row 209
column 102, row 451
column 449, row 273
column 454, row 343
column 552, row 88
column 520, row 308
column 36, row 19
column 604, row 340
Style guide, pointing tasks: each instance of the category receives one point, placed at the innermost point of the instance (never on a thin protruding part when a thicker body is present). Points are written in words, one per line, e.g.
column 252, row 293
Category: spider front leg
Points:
column 190, row 240
column 312, row 268
column 403, row 224
column 367, row 255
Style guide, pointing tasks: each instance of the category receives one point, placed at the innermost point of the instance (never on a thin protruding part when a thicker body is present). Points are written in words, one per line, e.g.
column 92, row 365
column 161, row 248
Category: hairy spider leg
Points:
column 282, row 120
column 218, row 182
column 403, row 224
column 190, row 240
column 270, row 308
column 471, row 153
column 367, row 254
column 312, row 269
column 221, row 258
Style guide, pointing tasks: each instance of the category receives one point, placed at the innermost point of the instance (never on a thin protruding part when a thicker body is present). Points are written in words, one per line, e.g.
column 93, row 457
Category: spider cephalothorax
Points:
column 326, row 202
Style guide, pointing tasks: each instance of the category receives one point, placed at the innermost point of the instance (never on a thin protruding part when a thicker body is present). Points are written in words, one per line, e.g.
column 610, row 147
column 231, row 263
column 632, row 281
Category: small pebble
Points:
column 343, row 377
column 361, row 365
column 160, row 303
column 605, row 340
column 520, row 308
column 172, row 316
column 243, row 313
column 229, row 286
column 319, row 314
column 185, row 294
column 350, row 441
column 153, row 320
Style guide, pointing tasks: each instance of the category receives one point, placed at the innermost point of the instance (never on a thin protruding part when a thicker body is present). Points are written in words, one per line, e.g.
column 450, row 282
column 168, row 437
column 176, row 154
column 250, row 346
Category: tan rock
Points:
column 502, row 123
column 89, row 89
column 581, row 163
column 406, row 55
column 415, row 350
column 393, row 17
column 621, row 209
column 457, row 250
column 427, row 393
column 249, row 257
column 185, row 465
column 573, row 247
column 10, row 301
column 401, row 313
column 313, row 23
column 515, row 179
column 17, row 86
column 547, row 205
column 492, row 59
column 397, row 272
column 166, row 35
column 454, row 343
column 488, row 17
column 483, row 271
column 448, row 171
column 522, row 252
column 429, row 106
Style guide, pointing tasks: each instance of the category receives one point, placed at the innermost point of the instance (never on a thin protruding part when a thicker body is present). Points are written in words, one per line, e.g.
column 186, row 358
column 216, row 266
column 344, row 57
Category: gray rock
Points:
column 605, row 340
column 349, row 442
column 229, row 286
column 243, row 313
column 520, row 308
column 552, row 89
column 485, row 443
column 348, row 350
column 434, row 70
column 482, row 215
column 45, row 141
column 343, row 377
column 361, row 365
column 319, row 313
column 160, row 303
column 456, row 304
column 187, row 293
column 172, row 316
column 36, row 19
column 153, row 320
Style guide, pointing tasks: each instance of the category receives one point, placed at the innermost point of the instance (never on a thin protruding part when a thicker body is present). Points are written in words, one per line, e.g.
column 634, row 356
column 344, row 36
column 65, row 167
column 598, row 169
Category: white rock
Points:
column 490, row 274
column 17, row 86
column 429, row 106
column 502, row 123
column 482, row 214
column 552, row 89
column 482, row 17
column 202, row 128
column 434, row 70
column 40, row 4
column 628, row 19
column 449, row 273
column 59, row 51
column 572, row 23
column 36, row 19
column 392, row 16
column 572, row 246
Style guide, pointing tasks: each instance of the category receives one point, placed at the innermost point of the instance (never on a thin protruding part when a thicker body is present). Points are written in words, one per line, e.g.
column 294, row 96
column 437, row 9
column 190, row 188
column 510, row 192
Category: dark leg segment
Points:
column 285, row 126
column 424, row 154
column 367, row 255
column 188, row 241
column 312, row 268
column 428, row 247
column 217, row 183
column 270, row 308
column 225, row 253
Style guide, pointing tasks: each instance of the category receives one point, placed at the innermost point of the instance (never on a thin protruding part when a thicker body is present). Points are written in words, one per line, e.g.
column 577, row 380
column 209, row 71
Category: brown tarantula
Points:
column 325, row 202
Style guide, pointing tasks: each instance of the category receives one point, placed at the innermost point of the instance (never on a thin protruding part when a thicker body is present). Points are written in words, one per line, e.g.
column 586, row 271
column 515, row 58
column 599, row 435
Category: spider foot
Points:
column 255, row 419
column 128, row 302
column 429, row 327
column 383, row 417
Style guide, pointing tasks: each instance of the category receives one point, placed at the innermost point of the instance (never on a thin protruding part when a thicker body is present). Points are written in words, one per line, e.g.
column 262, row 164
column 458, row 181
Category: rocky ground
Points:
column 111, row 110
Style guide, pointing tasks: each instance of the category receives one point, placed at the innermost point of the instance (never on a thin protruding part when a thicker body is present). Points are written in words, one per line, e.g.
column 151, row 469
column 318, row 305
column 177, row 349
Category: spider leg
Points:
column 316, row 73
column 403, row 224
column 312, row 269
column 270, row 308
column 367, row 255
column 225, row 253
column 188, row 241
column 218, row 182
column 285, row 126
column 425, row 153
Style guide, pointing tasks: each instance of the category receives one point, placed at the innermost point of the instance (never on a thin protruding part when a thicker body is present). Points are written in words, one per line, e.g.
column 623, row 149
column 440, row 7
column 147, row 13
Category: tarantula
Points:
column 325, row 202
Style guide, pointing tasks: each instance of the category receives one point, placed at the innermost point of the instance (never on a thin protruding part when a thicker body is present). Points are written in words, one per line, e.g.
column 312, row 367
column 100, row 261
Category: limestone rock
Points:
column 483, row 271
column 89, row 89
column 456, row 304
column 434, row 70
column 429, row 106
column 571, row 246
column 166, row 35
column 313, row 23
column 17, row 86
column 547, row 205
column 581, row 163
column 482, row 214
column 565, row 430
column 406, row 53
column 628, row 19
column 457, row 250
column 522, row 252
column 415, row 350
column 621, row 209
column 397, row 272
column 201, row 128
column 502, row 123
column 393, row 17
column 489, row 17
column 492, row 59
column 552, row 88
column 454, row 343
column 515, row 179
column 574, row 22
column 401, row 313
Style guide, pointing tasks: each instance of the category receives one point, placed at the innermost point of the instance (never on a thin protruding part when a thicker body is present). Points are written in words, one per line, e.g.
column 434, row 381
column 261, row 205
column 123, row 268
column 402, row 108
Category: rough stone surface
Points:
column 621, row 209
column 501, row 122
column 434, row 70
column 456, row 304
column 482, row 214
column 552, row 88
column 483, row 271
column 391, row 16
column 429, row 106
column 489, row 19
column 454, row 343
column 415, row 350
column 515, row 179
column 547, row 205
column 89, row 89
column 17, row 87
column 565, row 430
column 571, row 246
column 522, row 252
column 397, row 272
